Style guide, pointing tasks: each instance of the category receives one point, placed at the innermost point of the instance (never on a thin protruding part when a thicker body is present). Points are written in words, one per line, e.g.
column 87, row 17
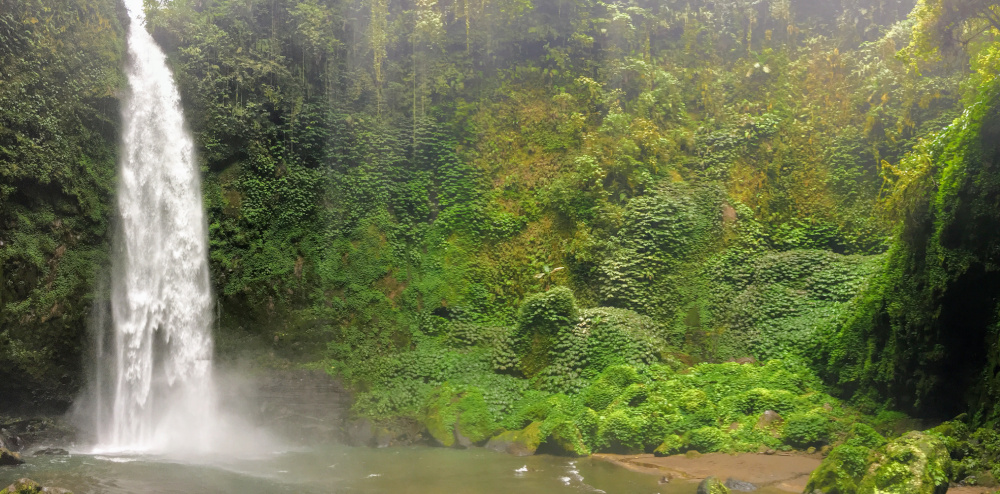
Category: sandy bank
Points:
column 782, row 471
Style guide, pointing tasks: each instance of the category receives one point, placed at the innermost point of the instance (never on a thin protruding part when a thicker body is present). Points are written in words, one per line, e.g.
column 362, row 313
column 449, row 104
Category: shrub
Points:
column 807, row 429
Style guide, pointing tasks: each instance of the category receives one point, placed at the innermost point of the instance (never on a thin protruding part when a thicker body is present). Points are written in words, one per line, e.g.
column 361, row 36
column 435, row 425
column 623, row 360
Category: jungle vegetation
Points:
column 544, row 217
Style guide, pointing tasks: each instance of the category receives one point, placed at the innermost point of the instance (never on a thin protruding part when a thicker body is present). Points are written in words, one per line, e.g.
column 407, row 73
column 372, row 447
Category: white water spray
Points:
column 155, row 391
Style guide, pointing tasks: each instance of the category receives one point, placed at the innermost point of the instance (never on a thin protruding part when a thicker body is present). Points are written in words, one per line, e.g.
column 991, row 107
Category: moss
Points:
column 566, row 439
column 708, row 440
column 840, row 471
column 454, row 416
column 671, row 445
column 712, row 485
column 917, row 463
column 475, row 421
column 520, row 442
column 23, row 486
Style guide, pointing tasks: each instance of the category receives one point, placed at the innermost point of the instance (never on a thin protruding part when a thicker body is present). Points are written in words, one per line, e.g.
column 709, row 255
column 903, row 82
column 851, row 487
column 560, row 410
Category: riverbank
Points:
column 785, row 472
column 775, row 473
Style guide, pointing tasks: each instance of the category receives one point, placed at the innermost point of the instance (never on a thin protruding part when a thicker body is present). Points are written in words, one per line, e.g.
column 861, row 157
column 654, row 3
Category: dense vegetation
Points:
column 60, row 77
column 545, row 219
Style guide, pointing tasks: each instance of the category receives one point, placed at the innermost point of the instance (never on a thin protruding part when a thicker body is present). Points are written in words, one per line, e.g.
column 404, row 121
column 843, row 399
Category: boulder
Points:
column 28, row 486
column 712, row 485
column 518, row 443
column 566, row 440
column 51, row 452
column 23, row 486
column 917, row 463
column 458, row 417
column 10, row 440
column 8, row 457
column 739, row 485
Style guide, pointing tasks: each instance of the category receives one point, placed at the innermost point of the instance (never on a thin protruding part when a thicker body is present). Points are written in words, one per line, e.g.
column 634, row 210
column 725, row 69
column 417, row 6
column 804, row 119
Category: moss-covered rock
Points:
column 459, row 417
column 712, row 485
column 28, row 486
column 567, row 440
column 917, row 463
column 518, row 443
column 847, row 463
column 23, row 486
column 840, row 471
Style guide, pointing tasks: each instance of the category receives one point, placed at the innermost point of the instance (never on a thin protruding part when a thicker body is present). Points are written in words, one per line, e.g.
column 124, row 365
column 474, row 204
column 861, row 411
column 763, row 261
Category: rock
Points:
column 360, row 432
column 461, row 440
column 518, row 443
column 459, row 417
column 739, row 485
column 566, row 440
column 384, row 438
column 8, row 457
column 28, row 486
column 10, row 440
column 769, row 418
column 917, row 463
column 52, row 452
column 712, row 485
column 22, row 486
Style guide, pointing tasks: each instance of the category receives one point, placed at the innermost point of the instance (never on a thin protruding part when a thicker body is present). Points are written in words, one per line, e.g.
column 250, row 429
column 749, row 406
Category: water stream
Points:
column 153, row 388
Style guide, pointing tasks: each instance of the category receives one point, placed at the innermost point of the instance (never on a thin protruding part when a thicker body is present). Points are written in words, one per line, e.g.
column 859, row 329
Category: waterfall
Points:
column 154, row 384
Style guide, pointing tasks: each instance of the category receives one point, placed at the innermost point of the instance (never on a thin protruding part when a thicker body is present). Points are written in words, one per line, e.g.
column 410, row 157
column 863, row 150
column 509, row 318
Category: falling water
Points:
column 156, row 380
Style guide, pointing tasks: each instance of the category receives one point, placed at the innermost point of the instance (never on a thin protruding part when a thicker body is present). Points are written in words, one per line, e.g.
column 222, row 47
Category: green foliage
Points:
column 935, row 277
column 807, row 429
column 544, row 322
column 60, row 77
column 452, row 412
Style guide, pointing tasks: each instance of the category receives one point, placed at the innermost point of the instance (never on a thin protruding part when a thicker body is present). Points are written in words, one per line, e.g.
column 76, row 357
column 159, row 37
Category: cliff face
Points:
column 60, row 78
column 929, row 323
column 748, row 180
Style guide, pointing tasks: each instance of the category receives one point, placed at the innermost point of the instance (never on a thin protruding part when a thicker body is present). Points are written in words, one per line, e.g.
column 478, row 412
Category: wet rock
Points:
column 712, row 485
column 739, row 485
column 518, row 443
column 461, row 440
column 51, row 452
column 360, row 432
column 8, row 458
column 10, row 440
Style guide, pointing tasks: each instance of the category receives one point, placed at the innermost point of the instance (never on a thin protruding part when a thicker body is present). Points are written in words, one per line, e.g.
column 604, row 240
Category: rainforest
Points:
column 592, row 236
